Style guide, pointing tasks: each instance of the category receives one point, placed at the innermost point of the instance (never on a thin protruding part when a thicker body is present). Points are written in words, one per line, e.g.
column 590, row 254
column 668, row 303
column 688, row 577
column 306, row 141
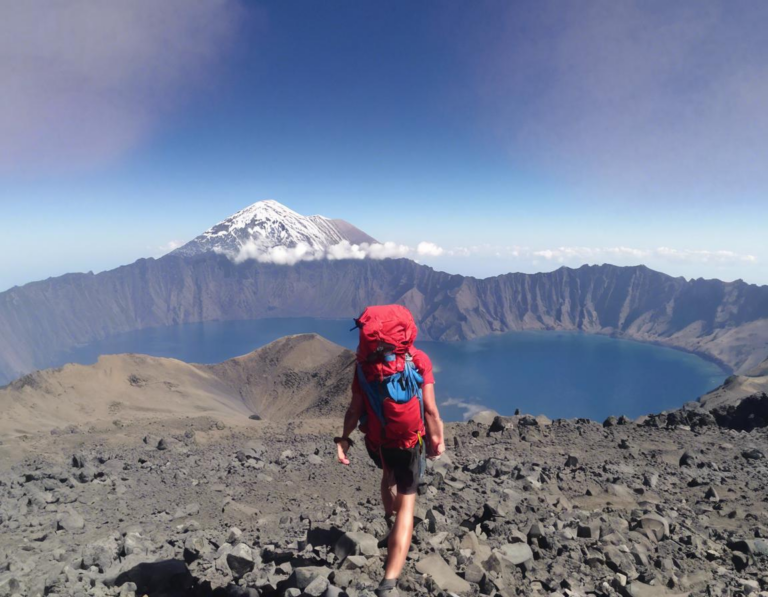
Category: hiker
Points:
column 393, row 399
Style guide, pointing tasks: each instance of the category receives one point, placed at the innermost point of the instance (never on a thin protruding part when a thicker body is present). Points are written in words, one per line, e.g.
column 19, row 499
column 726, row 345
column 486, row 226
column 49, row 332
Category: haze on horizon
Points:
column 514, row 136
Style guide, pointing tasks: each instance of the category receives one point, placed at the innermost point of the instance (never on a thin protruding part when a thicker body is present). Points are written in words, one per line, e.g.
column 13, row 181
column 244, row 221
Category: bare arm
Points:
column 435, row 440
column 351, row 418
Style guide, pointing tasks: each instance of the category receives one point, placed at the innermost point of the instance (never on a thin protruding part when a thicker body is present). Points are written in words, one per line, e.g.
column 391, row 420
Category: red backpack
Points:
column 388, row 378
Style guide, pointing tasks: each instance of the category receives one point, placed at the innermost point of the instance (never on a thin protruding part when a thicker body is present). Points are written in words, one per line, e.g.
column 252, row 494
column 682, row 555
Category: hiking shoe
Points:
column 387, row 589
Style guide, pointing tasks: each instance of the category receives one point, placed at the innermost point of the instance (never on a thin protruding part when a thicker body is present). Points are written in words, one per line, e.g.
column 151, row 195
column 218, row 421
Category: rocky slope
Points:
column 517, row 506
column 293, row 377
column 725, row 321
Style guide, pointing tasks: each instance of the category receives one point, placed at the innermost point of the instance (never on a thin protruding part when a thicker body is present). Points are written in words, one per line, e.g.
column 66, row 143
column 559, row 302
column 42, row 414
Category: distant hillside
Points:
column 738, row 387
column 293, row 377
column 726, row 321
column 760, row 371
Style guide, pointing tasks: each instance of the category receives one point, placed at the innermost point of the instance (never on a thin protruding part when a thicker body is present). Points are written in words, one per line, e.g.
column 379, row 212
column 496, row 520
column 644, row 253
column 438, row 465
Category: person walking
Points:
column 393, row 400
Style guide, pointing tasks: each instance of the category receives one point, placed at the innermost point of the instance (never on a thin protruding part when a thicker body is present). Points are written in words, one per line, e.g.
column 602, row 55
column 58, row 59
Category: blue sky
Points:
column 518, row 136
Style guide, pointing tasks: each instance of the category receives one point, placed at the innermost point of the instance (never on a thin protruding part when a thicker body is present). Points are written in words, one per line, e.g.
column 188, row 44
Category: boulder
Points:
column 234, row 536
column 687, row 459
column 654, row 526
column 589, row 530
column 70, row 521
column 501, row 423
column 353, row 544
column 753, row 454
column 302, row 577
column 240, row 560
column 442, row 574
column 514, row 553
column 101, row 553
column 317, row 587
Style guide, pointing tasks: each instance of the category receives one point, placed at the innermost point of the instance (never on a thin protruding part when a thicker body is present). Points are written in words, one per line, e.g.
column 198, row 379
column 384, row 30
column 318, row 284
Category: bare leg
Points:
column 400, row 536
column 388, row 492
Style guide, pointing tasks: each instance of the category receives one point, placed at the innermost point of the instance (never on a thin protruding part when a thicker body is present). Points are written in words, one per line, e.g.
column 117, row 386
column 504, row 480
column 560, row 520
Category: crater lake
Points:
column 558, row 374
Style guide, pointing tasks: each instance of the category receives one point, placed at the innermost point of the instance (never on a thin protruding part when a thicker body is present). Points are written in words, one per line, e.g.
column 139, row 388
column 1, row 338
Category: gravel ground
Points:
column 517, row 506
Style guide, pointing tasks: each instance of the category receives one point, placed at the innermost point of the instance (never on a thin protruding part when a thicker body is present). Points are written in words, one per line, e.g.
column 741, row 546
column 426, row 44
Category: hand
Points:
column 342, row 448
column 435, row 449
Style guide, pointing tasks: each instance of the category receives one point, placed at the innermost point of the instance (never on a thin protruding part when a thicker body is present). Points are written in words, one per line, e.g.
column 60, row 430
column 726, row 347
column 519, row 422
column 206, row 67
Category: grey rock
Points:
column 71, row 521
column 474, row 573
column 515, row 553
column 240, row 560
column 101, row 553
column 753, row 454
column 442, row 574
column 589, row 530
column 195, row 547
column 317, row 587
column 356, row 544
column 302, row 577
column 501, row 424
column 654, row 526
column 234, row 536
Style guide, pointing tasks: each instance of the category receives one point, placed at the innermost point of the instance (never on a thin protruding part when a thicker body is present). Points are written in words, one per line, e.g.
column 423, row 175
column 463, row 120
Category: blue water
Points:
column 561, row 375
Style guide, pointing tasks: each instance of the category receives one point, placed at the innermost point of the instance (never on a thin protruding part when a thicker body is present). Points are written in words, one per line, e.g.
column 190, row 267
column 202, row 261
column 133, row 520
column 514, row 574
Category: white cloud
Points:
column 579, row 254
column 572, row 255
column 84, row 81
column 470, row 408
column 702, row 256
column 278, row 255
column 346, row 250
column 429, row 249
column 171, row 245
column 590, row 253
column 303, row 252
column 388, row 250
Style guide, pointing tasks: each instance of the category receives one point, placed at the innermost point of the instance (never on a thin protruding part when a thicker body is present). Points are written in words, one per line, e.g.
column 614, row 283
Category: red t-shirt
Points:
column 403, row 420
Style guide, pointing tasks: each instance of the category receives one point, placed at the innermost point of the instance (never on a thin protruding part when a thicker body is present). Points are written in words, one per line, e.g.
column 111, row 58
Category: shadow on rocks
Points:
column 171, row 578
column 167, row 578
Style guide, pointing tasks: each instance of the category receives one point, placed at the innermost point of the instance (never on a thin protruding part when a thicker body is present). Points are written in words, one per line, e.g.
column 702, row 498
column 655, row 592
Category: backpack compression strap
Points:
column 401, row 387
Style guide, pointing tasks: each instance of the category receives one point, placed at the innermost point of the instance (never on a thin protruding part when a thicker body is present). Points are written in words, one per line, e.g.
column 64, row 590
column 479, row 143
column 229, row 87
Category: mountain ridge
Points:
column 727, row 321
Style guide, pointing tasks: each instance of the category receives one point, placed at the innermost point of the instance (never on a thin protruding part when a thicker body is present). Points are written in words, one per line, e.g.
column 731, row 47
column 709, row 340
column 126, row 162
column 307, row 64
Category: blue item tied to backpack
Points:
column 400, row 387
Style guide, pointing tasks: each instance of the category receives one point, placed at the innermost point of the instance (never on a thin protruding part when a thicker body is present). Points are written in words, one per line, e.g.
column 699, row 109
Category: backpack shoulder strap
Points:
column 374, row 396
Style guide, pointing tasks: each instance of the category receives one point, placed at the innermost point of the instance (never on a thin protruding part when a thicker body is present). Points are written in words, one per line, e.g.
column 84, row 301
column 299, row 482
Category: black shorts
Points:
column 406, row 464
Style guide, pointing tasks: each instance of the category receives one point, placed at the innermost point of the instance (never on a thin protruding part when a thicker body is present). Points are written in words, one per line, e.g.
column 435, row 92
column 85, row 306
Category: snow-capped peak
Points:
column 271, row 224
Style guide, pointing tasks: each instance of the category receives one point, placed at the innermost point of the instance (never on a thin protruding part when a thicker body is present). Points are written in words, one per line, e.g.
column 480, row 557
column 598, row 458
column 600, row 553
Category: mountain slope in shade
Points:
column 737, row 387
column 760, row 371
column 270, row 224
column 293, row 377
column 725, row 321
